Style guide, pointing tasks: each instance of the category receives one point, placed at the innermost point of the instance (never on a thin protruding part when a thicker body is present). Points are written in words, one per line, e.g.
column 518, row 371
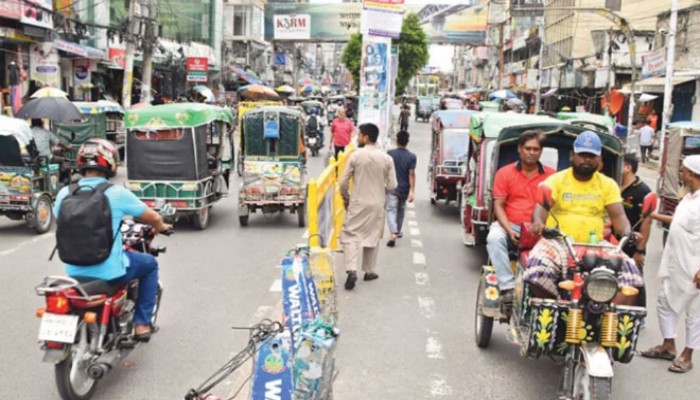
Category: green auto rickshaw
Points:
column 180, row 154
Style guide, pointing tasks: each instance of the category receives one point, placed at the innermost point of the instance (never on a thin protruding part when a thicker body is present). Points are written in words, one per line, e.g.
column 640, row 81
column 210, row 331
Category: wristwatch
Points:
column 641, row 251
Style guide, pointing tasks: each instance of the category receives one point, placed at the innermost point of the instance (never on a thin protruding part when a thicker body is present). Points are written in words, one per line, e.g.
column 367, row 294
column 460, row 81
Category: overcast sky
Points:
column 441, row 57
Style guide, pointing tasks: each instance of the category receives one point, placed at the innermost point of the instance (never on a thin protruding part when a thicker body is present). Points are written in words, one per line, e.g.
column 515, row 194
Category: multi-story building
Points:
column 244, row 46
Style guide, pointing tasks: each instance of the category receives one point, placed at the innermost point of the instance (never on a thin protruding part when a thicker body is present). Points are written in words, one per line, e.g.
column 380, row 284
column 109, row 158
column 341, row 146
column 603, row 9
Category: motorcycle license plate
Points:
column 58, row 328
column 312, row 141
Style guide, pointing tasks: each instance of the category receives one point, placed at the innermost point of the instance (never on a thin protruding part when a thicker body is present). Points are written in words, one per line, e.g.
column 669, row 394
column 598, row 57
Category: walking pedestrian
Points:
column 680, row 274
column 646, row 140
column 405, row 166
column 341, row 132
column 633, row 192
column 404, row 117
column 373, row 176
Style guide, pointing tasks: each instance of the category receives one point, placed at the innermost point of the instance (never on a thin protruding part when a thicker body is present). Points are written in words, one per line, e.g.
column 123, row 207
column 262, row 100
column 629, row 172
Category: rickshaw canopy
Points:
column 257, row 131
column 16, row 128
column 597, row 120
column 308, row 104
column 176, row 115
column 490, row 125
column 454, row 118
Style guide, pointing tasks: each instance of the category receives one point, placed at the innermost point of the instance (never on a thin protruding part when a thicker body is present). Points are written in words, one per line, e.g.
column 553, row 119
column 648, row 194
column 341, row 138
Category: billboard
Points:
column 292, row 27
column 448, row 22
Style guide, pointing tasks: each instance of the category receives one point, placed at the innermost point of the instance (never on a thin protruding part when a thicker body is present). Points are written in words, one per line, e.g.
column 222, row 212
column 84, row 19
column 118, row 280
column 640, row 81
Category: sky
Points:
column 441, row 57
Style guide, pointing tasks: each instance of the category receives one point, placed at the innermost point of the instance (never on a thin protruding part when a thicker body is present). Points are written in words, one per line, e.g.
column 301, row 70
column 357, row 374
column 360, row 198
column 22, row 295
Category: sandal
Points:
column 680, row 366
column 145, row 337
column 658, row 353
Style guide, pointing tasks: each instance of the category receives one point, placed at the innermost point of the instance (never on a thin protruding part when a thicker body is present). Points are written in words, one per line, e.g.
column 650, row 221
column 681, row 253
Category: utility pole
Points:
column 540, row 61
column 501, row 54
column 149, row 44
column 670, row 66
column 131, row 37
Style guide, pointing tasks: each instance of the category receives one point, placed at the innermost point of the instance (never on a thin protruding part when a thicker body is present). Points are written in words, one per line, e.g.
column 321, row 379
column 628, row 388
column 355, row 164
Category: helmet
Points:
column 312, row 111
column 99, row 154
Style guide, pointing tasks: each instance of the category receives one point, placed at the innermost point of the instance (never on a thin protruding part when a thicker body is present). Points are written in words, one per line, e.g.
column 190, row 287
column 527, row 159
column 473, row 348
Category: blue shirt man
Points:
column 405, row 167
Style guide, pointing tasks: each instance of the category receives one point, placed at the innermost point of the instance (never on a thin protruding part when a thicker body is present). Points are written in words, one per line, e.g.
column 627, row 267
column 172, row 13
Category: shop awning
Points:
column 244, row 75
column 79, row 50
column 657, row 83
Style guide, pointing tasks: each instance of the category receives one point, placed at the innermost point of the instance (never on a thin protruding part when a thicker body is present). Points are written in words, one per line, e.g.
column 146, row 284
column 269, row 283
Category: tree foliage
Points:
column 413, row 52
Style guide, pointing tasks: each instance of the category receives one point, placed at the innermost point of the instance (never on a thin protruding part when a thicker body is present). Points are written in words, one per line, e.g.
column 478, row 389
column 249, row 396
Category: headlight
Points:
column 600, row 286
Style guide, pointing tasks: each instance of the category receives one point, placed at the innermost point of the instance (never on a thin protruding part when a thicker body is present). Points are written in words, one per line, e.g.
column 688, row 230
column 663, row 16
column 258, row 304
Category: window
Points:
column 239, row 21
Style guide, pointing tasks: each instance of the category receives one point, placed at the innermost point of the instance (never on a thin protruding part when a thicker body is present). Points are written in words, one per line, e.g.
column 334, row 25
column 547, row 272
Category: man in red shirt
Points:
column 514, row 200
column 341, row 132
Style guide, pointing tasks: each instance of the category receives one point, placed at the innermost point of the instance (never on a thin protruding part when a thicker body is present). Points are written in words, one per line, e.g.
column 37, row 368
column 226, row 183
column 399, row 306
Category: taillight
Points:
column 178, row 204
column 54, row 345
column 57, row 304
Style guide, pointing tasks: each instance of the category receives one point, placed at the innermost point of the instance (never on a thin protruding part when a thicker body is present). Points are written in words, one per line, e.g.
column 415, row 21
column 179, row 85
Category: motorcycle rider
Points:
column 97, row 162
column 514, row 193
column 313, row 126
column 581, row 196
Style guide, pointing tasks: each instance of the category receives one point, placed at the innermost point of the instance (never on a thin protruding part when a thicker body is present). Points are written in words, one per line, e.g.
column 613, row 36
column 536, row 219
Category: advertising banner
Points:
column 43, row 62
column 197, row 68
column 382, row 17
column 117, row 56
column 11, row 9
column 292, row 27
column 374, row 82
column 37, row 13
column 654, row 63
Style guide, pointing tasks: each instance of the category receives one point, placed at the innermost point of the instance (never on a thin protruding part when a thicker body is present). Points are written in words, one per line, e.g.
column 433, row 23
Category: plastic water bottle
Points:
column 593, row 238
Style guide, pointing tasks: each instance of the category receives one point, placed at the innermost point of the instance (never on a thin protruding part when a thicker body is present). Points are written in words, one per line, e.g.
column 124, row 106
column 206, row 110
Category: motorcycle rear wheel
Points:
column 483, row 325
column 588, row 387
column 72, row 380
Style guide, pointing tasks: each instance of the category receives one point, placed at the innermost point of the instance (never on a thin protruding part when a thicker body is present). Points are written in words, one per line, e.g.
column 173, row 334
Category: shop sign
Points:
column 43, row 61
column 196, row 77
column 117, row 56
column 292, row 27
column 37, row 13
column 382, row 17
column 654, row 63
column 14, row 35
column 197, row 64
column 81, row 71
column 11, row 9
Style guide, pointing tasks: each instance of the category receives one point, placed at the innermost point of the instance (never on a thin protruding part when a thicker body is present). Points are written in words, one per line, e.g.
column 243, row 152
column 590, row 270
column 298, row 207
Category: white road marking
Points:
column 422, row 279
column 413, row 223
column 414, row 231
column 276, row 286
column 433, row 348
column 26, row 242
column 439, row 387
column 305, row 235
column 427, row 307
column 416, row 243
column 418, row 258
column 411, row 205
column 410, row 214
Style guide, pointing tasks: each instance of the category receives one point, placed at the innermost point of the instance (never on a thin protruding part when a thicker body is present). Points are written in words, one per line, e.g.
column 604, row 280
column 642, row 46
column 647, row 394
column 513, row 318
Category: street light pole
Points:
column 129, row 59
column 538, row 93
column 149, row 44
column 670, row 66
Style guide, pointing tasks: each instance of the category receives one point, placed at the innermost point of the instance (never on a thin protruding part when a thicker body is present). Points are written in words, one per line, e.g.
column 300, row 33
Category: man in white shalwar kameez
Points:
column 680, row 274
column 372, row 172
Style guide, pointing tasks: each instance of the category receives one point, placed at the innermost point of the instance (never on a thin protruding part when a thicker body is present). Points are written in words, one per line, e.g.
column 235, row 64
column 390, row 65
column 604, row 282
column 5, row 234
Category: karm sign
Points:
column 292, row 27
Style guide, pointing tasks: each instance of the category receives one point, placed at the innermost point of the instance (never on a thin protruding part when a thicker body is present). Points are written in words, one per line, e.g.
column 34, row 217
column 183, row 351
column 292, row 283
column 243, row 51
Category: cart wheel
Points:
column 301, row 215
column 483, row 325
column 433, row 201
column 43, row 216
column 243, row 220
column 201, row 219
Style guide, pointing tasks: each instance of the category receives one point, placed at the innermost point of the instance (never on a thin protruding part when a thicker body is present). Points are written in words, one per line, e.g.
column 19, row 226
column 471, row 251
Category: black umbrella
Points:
column 54, row 108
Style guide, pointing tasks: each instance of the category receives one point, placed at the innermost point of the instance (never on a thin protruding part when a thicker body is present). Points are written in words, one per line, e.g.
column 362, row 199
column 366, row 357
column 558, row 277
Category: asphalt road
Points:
column 407, row 335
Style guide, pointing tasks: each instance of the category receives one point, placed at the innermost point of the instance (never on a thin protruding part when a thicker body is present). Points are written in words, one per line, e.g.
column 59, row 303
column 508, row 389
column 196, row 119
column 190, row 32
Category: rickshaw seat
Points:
column 10, row 153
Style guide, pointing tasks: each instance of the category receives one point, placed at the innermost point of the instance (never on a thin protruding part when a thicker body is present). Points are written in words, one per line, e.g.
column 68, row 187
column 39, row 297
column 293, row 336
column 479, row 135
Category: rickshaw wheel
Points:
column 483, row 325
column 433, row 201
column 301, row 215
column 43, row 216
column 243, row 220
column 200, row 220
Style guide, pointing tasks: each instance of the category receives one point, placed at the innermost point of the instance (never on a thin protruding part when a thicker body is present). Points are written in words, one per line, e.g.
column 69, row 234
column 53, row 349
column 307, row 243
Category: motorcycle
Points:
column 583, row 326
column 313, row 142
column 87, row 325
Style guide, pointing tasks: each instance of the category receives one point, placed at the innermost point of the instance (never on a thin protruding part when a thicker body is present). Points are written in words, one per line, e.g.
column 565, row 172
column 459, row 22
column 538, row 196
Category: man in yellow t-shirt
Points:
column 581, row 198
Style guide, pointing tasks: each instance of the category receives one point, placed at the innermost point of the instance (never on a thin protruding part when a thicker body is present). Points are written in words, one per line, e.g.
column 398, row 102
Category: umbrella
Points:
column 206, row 92
column 308, row 89
column 49, row 92
column 257, row 92
column 53, row 108
column 502, row 94
column 286, row 89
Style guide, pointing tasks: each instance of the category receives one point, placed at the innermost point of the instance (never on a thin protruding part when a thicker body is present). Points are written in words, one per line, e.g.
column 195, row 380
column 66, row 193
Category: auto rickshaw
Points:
column 244, row 107
column 595, row 122
column 449, row 103
column 273, row 178
column 295, row 100
column 339, row 101
column 475, row 199
column 490, row 106
column 93, row 125
column 424, row 108
column 175, row 154
column 449, row 153
column 683, row 139
column 28, row 182
column 309, row 105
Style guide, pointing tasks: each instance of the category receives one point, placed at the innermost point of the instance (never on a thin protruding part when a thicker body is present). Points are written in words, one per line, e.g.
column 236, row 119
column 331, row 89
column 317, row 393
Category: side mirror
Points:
column 544, row 196
column 649, row 204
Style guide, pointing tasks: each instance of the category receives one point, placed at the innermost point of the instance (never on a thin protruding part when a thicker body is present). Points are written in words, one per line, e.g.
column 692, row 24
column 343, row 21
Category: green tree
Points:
column 413, row 52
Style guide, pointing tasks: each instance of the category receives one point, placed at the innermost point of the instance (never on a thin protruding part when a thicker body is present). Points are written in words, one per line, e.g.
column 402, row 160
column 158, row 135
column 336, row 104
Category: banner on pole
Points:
column 374, row 81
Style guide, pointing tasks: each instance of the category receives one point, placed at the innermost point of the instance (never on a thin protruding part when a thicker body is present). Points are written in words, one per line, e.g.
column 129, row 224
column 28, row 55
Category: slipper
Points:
column 680, row 366
column 145, row 337
column 658, row 353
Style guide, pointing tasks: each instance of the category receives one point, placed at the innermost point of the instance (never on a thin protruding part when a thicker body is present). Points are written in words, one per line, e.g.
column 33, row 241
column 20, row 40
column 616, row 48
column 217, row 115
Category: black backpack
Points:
column 84, row 234
column 313, row 123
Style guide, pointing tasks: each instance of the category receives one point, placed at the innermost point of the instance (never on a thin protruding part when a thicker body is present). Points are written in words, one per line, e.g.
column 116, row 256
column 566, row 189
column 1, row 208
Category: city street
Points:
column 407, row 335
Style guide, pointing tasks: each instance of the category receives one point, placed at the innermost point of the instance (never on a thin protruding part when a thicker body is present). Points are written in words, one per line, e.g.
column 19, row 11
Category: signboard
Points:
column 117, row 56
column 292, row 27
column 11, row 9
column 81, row 75
column 197, row 68
column 654, row 63
column 382, row 17
column 37, row 13
column 43, row 61
column 374, row 82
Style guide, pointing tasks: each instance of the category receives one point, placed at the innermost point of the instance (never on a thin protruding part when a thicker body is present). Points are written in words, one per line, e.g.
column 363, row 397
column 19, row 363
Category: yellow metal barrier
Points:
column 328, row 181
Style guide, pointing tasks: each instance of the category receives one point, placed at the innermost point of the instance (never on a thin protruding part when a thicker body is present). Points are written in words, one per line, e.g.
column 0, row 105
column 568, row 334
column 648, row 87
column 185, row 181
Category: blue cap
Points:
column 588, row 142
